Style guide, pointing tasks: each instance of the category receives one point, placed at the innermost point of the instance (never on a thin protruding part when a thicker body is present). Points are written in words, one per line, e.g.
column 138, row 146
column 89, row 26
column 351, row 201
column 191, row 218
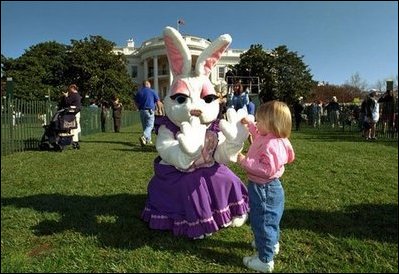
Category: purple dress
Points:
column 195, row 202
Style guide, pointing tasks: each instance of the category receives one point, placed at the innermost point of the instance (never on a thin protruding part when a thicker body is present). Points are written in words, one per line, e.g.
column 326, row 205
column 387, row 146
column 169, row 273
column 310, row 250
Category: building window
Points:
column 134, row 71
column 221, row 72
column 164, row 91
column 164, row 70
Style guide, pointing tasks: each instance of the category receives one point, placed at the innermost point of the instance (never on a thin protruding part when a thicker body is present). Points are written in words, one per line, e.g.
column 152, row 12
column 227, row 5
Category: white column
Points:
column 145, row 69
column 156, row 85
column 212, row 76
column 170, row 77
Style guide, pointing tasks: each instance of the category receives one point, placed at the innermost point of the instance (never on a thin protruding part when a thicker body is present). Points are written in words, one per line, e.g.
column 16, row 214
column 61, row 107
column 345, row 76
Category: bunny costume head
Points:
column 192, row 93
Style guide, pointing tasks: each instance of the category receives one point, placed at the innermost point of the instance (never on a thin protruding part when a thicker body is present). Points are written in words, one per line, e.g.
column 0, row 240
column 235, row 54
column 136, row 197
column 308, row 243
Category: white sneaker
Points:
column 276, row 247
column 143, row 141
column 256, row 264
column 248, row 258
column 239, row 221
column 202, row 236
column 227, row 224
column 199, row 237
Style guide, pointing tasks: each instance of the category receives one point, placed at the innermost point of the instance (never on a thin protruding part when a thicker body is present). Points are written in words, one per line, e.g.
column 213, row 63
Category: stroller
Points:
column 57, row 135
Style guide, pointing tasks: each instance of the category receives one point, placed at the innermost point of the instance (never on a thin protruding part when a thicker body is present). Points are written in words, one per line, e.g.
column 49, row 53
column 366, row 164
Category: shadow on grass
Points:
column 378, row 222
column 32, row 144
column 130, row 144
column 139, row 148
column 122, row 132
column 115, row 221
column 147, row 148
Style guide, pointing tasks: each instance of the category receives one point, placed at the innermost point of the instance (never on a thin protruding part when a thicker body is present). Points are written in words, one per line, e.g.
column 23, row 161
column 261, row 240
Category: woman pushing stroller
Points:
column 72, row 99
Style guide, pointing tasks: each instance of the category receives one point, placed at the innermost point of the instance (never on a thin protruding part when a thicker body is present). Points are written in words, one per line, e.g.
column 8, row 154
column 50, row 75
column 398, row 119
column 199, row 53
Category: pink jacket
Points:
column 266, row 156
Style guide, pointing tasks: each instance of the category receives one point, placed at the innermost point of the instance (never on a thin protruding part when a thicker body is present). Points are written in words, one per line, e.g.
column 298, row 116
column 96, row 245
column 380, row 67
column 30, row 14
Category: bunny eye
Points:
column 210, row 98
column 179, row 97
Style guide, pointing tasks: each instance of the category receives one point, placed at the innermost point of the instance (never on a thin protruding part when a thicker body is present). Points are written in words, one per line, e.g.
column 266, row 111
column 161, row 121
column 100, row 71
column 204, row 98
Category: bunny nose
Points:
column 196, row 112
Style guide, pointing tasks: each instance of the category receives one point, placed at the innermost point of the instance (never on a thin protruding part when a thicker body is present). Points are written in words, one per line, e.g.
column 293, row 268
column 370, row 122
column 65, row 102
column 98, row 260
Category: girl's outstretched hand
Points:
column 245, row 121
column 240, row 156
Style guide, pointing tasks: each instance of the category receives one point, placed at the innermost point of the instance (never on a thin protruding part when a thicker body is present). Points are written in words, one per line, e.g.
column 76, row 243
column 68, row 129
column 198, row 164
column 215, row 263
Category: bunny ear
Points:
column 179, row 56
column 209, row 57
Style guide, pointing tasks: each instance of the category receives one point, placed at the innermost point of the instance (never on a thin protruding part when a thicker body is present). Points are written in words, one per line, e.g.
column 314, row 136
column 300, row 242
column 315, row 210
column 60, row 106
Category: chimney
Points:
column 130, row 43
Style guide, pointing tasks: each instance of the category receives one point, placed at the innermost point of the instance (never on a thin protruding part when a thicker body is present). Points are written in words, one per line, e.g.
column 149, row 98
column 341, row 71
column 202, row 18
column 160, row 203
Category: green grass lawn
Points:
column 79, row 211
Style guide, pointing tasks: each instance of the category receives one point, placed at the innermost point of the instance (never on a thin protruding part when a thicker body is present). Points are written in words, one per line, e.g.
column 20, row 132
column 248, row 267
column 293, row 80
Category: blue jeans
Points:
column 147, row 122
column 266, row 202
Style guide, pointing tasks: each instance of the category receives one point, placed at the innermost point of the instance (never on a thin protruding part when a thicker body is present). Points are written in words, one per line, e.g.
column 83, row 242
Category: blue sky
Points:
column 337, row 39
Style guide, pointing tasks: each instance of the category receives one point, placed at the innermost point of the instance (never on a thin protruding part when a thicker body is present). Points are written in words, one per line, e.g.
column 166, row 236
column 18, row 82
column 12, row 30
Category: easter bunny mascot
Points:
column 193, row 193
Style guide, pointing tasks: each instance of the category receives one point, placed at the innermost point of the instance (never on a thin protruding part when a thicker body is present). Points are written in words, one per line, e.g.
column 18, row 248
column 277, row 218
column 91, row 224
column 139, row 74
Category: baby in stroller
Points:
column 57, row 135
column 65, row 126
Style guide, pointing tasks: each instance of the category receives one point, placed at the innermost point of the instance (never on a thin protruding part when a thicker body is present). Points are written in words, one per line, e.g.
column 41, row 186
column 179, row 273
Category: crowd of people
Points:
column 367, row 115
column 373, row 110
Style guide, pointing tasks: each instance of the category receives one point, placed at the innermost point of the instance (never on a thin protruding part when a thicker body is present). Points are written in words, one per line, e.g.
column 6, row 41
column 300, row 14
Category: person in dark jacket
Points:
column 117, row 113
column 298, row 108
column 104, row 114
column 230, row 80
column 72, row 99
column 333, row 111
column 388, row 111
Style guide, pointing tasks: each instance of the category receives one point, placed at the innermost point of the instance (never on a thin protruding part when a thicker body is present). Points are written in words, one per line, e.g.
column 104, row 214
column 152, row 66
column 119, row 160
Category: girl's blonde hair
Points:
column 275, row 116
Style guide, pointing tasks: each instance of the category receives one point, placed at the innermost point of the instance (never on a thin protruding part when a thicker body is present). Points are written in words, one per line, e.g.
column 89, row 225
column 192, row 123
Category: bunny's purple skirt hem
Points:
column 194, row 203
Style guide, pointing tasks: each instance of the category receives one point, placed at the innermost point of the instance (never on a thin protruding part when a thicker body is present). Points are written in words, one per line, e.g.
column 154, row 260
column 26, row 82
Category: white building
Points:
column 149, row 61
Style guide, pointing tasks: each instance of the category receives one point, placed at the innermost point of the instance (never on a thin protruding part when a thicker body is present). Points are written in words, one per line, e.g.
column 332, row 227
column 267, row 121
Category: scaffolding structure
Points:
column 249, row 83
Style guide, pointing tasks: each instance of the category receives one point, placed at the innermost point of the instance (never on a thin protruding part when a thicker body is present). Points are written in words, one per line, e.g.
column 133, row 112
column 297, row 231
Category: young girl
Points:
column 264, row 165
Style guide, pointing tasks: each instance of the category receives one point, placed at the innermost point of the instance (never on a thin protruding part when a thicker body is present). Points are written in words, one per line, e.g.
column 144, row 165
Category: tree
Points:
column 344, row 93
column 3, row 61
column 380, row 85
column 50, row 67
column 254, row 63
column 283, row 74
column 98, row 72
column 357, row 82
column 39, row 71
column 291, row 77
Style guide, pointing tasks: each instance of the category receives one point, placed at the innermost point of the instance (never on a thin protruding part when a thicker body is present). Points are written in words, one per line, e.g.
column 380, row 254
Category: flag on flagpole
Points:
column 180, row 22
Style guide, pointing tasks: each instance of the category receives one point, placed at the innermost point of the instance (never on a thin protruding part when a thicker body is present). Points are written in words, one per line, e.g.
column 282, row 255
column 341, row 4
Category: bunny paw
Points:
column 232, row 128
column 192, row 136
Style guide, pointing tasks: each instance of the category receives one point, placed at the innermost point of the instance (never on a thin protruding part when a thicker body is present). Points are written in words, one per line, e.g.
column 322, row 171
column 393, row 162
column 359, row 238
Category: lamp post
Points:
column 9, row 95
column 48, row 112
column 9, row 87
column 87, row 99
column 250, row 81
column 3, row 102
column 389, row 84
